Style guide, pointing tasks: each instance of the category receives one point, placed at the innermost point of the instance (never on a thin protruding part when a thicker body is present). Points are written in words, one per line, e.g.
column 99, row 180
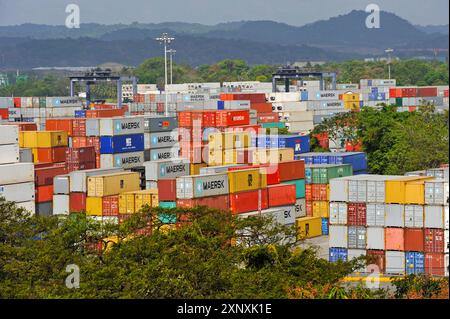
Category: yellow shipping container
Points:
column 246, row 180
column 126, row 203
column 52, row 138
column 404, row 190
column 113, row 184
column 94, row 206
column 21, row 143
column 30, row 139
column 146, row 197
column 321, row 209
column 350, row 97
column 351, row 105
column 272, row 155
column 308, row 227
column 34, row 151
column 215, row 157
column 195, row 168
column 228, row 140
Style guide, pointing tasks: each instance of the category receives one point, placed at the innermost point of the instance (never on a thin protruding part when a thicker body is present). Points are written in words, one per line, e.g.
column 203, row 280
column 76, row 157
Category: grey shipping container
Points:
column 375, row 238
column 25, row 155
column 300, row 208
column 414, row 216
column 434, row 216
column 121, row 126
column 437, row 192
column 92, row 127
column 395, row 215
column 338, row 236
column 44, row 209
column 161, row 139
column 61, row 204
column 78, row 179
column 355, row 253
column 166, row 169
column 22, row 192
column 395, row 262
column 356, row 237
column 375, row 214
column 124, row 160
column 61, row 184
column 202, row 186
column 164, row 153
column 338, row 213
column 282, row 215
column 217, row 169
column 160, row 124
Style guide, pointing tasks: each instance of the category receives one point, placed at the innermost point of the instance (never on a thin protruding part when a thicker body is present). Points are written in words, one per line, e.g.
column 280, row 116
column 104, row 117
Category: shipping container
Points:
column 9, row 154
column 61, row 204
column 299, row 188
column 436, row 192
column 124, row 160
column 160, row 124
column 246, row 180
column 167, row 190
column 395, row 215
column 322, row 174
column 375, row 238
column 434, row 216
column 281, row 215
column 406, row 190
column 221, row 202
column 300, row 208
column 320, row 209
column 338, row 213
column 244, row 202
column 77, row 202
column 308, row 227
column 414, row 216
column 20, row 192
column 395, row 262
column 394, row 239
column 358, row 160
column 357, row 237
column 113, row 184
column 166, row 169
column 16, row 173
column 162, row 153
column 281, row 195
column 271, row 156
column 414, row 239
column 356, row 214
column 121, row 143
column 375, row 214
column 121, row 126
column 376, row 258
column 51, row 155
column 45, row 175
column 338, row 236
column 9, row 134
column 434, row 240
column 435, row 264
column 206, row 185
column 337, row 254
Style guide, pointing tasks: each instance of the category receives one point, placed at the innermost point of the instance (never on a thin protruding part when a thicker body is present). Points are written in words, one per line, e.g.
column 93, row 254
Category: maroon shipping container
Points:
column 110, row 205
column 80, row 155
column 409, row 92
column 309, row 208
column 77, row 202
column 377, row 257
column 282, row 195
column 356, row 214
column 414, row 240
column 245, row 202
column 79, row 127
column 268, row 117
column 221, row 202
column 434, row 240
column 427, row 92
column 80, row 167
column 319, row 191
column 44, row 176
column 167, row 190
column 435, row 264
column 291, row 170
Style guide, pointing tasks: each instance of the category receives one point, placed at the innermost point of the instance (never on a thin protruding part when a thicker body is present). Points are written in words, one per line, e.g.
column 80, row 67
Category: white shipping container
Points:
column 23, row 192
column 26, row 155
column 9, row 154
column 61, row 184
column 375, row 214
column 300, row 208
column 61, row 204
column 92, row 127
column 375, row 238
column 283, row 97
column 395, row 215
column 289, row 107
column 413, row 216
column 395, row 262
column 281, row 215
column 338, row 213
column 446, row 217
column 123, row 160
column 300, row 116
column 434, row 216
column 28, row 206
column 16, row 173
column 338, row 236
column 78, row 179
column 436, row 192
column 300, row 126
column 64, row 101
column 9, row 134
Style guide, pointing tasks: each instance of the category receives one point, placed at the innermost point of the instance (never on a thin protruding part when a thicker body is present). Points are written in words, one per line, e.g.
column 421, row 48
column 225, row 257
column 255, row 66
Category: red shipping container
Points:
column 245, row 202
column 232, row 118
column 393, row 93
column 377, row 257
column 414, row 239
column 46, row 165
column 209, row 118
column 319, row 191
column 167, row 190
column 435, row 264
column 27, row 126
column 44, row 176
column 94, row 141
column 71, row 167
column 261, row 107
column 51, row 154
column 434, row 240
column 252, row 97
column 272, row 175
column 412, row 108
column 356, row 214
column 104, row 113
column 77, row 202
column 44, row 193
column 59, row 125
column 110, row 205
column 17, row 102
column 79, row 127
column 79, row 141
column 309, row 208
column 80, row 155
column 189, row 118
column 267, row 118
column 221, row 202
column 291, row 170
column 427, row 92
column 308, row 192
column 4, row 114
column 282, row 195
column 445, row 93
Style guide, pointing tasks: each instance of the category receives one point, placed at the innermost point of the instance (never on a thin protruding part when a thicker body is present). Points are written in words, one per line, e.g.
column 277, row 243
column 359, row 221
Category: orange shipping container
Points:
column 59, row 125
column 79, row 141
column 51, row 154
column 394, row 239
column 414, row 239
column 44, row 194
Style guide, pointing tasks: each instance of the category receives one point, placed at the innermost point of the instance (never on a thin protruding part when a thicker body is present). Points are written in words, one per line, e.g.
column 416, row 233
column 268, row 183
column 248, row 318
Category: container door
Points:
column 342, row 213
column 418, row 216
column 353, row 191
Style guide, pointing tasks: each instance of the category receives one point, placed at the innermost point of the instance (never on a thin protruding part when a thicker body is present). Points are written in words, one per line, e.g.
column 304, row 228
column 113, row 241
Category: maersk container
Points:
column 337, row 254
column 375, row 214
column 121, row 126
column 358, row 160
column 338, row 236
column 161, row 139
column 395, row 262
column 63, row 101
column 338, row 213
column 202, row 186
column 124, row 160
column 437, row 192
column 322, row 174
column 163, row 153
column 414, row 216
column 160, row 124
column 121, row 144
column 395, row 215
column 375, row 238
column 357, row 237
column 415, row 263
column 299, row 187
column 166, row 169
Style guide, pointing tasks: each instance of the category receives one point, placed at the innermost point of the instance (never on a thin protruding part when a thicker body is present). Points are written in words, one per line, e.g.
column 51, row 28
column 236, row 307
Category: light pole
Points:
column 164, row 38
column 172, row 53
column 389, row 51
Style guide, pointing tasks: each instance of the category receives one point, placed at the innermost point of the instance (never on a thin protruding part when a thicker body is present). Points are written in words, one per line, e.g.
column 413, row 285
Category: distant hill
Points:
column 441, row 29
column 342, row 37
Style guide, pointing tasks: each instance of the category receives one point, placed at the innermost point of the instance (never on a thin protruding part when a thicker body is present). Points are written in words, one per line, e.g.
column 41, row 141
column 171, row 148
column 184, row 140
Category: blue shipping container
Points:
column 168, row 205
column 415, row 263
column 299, row 143
column 338, row 254
column 304, row 96
column 220, row 105
column 121, row 143
column 80, row 113
column 324, row 226
column 300, row 188
column 167, row 218
column 358, row 160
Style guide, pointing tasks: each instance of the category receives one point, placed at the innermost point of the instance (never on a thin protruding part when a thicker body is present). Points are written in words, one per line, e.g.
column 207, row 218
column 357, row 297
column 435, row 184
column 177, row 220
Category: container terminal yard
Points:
column 276, row 181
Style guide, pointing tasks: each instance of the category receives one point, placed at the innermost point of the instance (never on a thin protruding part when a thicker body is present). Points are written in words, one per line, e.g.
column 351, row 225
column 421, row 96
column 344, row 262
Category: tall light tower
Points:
column 164, row 38
column 171, row 53
column 389, row 51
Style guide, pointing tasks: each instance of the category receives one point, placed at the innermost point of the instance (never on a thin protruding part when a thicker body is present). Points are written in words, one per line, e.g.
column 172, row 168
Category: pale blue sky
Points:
column 295, row 12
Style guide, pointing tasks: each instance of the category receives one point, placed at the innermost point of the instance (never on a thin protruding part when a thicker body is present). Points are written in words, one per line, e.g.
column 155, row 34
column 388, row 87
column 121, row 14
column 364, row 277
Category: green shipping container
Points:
column 299, row 187
column 167, row 218
column 42, row 102
column 273, row 125
column 399, row 101
column 321, row 174
column 167, row 204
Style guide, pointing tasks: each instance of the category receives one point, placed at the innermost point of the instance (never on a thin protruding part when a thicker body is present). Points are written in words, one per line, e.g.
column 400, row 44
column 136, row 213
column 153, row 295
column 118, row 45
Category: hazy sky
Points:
column 295, row 12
